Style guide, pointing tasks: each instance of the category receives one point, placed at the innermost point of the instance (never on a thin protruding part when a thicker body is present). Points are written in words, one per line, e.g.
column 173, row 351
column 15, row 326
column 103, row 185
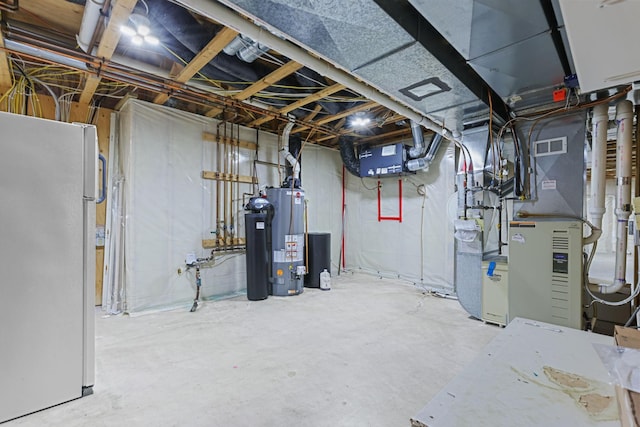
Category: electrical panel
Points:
column 545, row 271
column 382, row 161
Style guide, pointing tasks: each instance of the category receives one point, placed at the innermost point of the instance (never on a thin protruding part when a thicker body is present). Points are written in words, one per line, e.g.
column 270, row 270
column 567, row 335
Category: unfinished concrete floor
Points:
column 370, row 352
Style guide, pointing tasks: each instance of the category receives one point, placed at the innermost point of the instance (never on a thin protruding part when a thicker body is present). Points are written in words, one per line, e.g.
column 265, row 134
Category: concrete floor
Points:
column 370, row 352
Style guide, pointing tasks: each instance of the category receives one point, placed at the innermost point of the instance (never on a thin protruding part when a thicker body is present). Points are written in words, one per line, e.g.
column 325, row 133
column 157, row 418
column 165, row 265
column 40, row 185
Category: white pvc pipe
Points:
column 624, row 118
column 284, row 151
column 598, row 159
column 324, row 66
column 89, row 23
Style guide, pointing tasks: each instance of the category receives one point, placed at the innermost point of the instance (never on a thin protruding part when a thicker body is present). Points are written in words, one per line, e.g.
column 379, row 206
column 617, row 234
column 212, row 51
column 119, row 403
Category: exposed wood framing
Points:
column 6, row 80
column 119, row 15
column 313, row 114
column 229, row 177
column 345, row 113
column 214, row 243
column 213, row 48
column 302, row 102
column 271, row 79
column 212, row 137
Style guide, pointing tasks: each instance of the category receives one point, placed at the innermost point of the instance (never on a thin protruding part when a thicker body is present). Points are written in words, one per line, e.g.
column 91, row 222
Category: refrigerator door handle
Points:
column 103, row 188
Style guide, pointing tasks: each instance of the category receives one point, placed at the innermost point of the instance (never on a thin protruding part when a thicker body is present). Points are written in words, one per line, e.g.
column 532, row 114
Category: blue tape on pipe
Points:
column 492, row 266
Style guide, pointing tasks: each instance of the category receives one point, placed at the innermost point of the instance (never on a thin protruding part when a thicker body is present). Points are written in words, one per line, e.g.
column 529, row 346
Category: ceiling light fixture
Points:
column 360, row 121
column 140, row 32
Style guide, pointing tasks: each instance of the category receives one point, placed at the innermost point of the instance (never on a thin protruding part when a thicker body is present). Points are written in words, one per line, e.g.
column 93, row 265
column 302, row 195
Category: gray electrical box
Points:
column 545, row 271
column 382, row 161
column 287, row 241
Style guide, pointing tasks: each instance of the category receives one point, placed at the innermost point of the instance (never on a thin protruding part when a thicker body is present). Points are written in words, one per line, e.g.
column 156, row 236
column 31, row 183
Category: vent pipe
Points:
column 624, row 119
column 600, row 123
column 418, row 140
column 423, row 163
column 286, row 155
column 89, row 23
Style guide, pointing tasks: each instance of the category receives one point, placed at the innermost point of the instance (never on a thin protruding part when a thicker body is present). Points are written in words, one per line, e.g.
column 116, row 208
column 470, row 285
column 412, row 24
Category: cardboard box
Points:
column 628, row 401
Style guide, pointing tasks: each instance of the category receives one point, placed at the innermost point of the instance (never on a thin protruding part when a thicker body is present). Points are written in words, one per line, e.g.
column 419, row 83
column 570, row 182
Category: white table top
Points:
column 531, row 374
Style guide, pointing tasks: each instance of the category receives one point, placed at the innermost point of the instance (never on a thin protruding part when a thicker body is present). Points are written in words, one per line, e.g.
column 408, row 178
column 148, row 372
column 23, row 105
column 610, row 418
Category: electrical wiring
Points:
column 365, row 185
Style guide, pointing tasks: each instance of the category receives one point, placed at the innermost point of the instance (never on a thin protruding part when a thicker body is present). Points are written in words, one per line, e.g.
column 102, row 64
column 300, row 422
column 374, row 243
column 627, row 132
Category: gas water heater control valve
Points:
column 301, row 270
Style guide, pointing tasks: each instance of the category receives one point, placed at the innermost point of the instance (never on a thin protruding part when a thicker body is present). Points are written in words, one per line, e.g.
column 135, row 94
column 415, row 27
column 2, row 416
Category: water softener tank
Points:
column 257, row 256
column 319, row 258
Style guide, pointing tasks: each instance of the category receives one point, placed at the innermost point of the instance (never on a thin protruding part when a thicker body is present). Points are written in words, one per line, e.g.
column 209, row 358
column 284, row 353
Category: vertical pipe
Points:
column 624, row 117
column 379, row 214
column 225, row 219
column 218, row 166
column 400, row 199
column 343, row 216
column 598, row 163
column 636, row 194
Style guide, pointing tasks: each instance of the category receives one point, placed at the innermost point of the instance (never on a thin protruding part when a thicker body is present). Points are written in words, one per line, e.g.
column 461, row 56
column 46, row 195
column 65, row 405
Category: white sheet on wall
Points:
column 322, row 181
column 392, row 248
column 170, row 209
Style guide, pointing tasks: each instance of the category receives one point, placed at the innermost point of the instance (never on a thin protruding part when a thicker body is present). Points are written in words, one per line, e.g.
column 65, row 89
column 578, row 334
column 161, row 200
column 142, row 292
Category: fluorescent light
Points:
column 144, row 30
column 137, row 40
column 360, row 121
column 152, row 40
column 127, row 30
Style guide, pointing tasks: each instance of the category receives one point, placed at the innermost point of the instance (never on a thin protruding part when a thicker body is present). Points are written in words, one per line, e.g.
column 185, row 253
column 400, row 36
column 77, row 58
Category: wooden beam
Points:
column 312, row 114
column 90, row 86
column 110, row 37
column 6, row 78
column 213, row 48
column 211, row 137
column 214, row 243
column 302, row 102
column 270, row 79
column 273, row 78
column 345, row 113
column 220, row 176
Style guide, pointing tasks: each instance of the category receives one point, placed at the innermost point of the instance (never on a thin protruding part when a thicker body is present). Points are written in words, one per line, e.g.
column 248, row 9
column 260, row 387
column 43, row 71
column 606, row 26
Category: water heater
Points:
column 545, row 271
column 287, row 241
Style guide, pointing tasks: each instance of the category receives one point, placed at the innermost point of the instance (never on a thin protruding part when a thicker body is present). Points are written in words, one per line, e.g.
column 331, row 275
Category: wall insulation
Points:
column 398, row 249
column 169, row 209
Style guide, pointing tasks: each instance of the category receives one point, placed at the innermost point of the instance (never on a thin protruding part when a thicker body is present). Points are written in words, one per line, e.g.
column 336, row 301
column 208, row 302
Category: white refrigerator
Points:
column 48, row 181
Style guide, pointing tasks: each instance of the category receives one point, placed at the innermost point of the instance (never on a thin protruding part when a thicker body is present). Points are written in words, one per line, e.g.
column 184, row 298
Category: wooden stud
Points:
column 6, row 78
column 229, row 177
column 272, row 78
column 215, row 243
column 213, row 48
column 211, row 137
column 110, row 37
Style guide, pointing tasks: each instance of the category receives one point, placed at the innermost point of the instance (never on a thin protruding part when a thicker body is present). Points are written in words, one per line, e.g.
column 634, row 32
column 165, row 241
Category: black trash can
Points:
column 319, row 258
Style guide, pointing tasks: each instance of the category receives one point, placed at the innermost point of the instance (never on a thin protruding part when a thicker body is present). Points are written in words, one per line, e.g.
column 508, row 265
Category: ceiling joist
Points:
column 5, row 72
column 119, row 15
column 210, row 51
column 302, row 102
column 272, row 78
